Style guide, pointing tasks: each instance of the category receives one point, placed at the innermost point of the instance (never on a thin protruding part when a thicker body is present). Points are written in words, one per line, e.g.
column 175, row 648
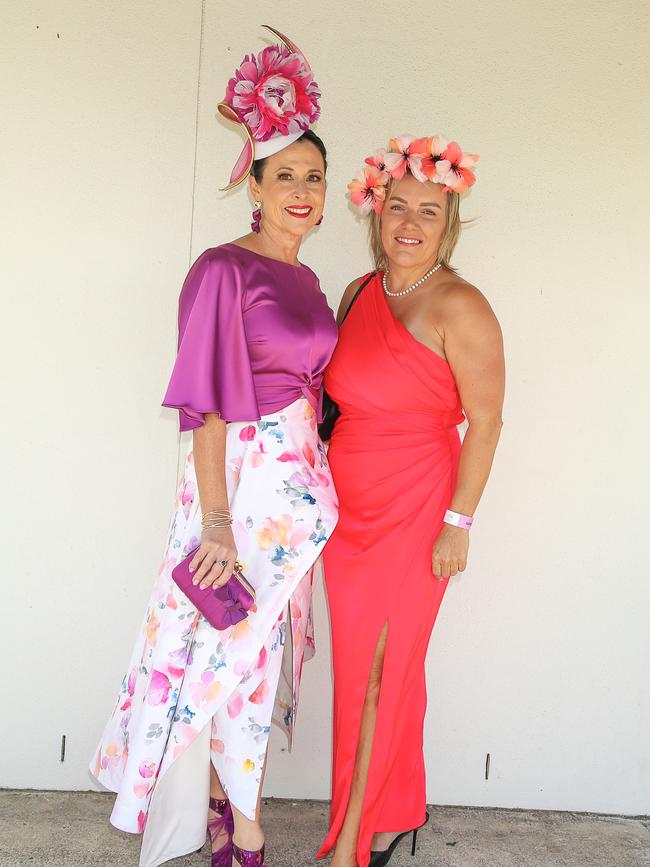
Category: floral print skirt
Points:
column 188, row 679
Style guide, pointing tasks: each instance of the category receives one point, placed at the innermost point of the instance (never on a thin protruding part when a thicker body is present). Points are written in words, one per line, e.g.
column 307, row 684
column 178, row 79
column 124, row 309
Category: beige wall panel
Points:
column 97, row 161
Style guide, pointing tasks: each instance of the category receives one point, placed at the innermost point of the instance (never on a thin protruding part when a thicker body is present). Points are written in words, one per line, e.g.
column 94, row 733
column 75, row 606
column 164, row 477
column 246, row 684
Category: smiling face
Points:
column 291, row 189
column 413, row 222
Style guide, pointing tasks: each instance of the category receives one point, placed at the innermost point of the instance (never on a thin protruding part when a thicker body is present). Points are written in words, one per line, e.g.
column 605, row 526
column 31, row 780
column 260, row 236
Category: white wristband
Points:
column 458, row 520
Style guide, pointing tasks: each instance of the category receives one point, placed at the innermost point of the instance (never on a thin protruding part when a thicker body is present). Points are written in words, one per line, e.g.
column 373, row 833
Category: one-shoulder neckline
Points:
column 400, row 324
column 298, row 267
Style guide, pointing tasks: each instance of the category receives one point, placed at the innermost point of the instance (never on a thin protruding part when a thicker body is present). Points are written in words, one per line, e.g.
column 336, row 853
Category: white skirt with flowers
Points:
column 193, row 693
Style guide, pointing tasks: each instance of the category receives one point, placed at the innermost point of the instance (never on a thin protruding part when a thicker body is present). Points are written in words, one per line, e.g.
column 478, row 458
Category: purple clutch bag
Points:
column 222, row 607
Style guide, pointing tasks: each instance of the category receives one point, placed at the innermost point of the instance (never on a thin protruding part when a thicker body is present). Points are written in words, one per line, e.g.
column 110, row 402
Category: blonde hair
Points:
column 447, row 245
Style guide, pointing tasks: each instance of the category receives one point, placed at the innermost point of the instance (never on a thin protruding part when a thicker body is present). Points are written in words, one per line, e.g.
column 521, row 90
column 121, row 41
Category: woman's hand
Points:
column 450, row 551
column 217, row 545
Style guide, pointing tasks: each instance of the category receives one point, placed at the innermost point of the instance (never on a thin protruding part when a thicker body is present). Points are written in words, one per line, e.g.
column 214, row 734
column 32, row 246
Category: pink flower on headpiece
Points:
column 434, row 148
column 405, row 152
column 368, row 191
column 377, row 160
column 455, row 169
column 274, row 92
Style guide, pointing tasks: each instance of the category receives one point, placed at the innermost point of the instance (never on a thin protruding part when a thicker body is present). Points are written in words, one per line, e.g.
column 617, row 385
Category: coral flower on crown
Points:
column 454, row 169
column 274, row 92
column 405, row 153
column 427, row 159
column 368, row 190
column 377, row 160
column 434, row 148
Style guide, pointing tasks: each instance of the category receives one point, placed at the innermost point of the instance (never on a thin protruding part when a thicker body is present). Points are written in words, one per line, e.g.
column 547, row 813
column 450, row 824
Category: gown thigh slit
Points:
column 367, row 708
column 394, row 455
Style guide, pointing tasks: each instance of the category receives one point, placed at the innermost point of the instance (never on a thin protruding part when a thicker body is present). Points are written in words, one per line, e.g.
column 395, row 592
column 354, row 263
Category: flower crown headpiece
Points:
column 427, row 159
column 274, row 97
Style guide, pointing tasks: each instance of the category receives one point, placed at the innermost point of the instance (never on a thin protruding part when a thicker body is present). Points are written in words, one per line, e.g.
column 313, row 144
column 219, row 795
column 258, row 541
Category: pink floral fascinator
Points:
column 274, row 97
column 427, row 159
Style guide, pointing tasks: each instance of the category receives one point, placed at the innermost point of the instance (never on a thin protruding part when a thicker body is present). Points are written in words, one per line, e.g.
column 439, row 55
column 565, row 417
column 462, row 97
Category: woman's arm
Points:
column 216, row 543
column 474, row 349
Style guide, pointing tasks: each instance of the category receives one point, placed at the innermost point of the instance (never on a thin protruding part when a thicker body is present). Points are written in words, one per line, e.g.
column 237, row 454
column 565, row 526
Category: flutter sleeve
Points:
column 212, row 372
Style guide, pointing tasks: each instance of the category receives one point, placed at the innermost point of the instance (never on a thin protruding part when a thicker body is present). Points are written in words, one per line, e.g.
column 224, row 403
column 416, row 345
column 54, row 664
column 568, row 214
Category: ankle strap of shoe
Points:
column 248, row 859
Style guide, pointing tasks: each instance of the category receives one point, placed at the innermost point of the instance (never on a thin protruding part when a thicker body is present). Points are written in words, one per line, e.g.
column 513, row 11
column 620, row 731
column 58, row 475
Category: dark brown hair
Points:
column 257, row 169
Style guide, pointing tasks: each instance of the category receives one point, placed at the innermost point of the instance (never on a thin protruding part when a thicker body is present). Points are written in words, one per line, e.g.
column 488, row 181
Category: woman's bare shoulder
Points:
column 459, row 298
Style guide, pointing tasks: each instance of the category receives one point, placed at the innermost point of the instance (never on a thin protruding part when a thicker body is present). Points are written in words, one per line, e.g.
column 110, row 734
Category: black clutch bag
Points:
column 331, row 409
column 331, row 412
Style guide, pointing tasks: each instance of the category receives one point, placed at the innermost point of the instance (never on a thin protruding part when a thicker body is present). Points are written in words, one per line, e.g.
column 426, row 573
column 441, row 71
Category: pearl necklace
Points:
column 411, row 288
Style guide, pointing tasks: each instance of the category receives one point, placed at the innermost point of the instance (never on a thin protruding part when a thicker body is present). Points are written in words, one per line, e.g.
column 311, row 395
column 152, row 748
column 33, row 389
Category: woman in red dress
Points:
column 420, row 346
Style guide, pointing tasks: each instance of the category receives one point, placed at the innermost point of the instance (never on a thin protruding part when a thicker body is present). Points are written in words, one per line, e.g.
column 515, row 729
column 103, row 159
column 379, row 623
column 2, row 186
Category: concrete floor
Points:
column 70, row 829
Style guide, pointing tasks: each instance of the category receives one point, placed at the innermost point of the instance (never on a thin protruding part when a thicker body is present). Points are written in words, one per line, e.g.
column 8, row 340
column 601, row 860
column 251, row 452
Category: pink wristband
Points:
column 458, row 520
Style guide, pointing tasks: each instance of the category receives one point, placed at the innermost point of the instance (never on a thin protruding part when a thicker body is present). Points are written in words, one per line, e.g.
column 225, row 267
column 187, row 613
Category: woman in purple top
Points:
column 185, row 747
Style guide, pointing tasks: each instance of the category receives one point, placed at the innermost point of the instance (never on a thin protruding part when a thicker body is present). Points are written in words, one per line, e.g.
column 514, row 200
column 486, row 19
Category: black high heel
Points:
column 380, row 859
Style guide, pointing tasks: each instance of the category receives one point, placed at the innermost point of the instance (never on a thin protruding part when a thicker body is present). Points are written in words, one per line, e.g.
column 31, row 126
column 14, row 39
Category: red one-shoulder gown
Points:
column 394, row 455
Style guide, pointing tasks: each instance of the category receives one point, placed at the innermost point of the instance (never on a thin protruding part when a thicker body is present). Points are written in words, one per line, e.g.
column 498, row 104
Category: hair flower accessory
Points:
column 274, row 98
column 405, row 153
column 377, row 160
column 368, row 190
column 434, row 148
column 431, row 159
column 454, row 168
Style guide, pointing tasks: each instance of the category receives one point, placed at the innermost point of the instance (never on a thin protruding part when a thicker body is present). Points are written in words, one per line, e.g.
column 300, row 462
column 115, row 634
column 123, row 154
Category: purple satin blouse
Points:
column 255, row 334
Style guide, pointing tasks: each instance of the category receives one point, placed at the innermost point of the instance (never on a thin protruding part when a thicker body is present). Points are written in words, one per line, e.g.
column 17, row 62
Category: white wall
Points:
column 540, row 653
column 98, row 152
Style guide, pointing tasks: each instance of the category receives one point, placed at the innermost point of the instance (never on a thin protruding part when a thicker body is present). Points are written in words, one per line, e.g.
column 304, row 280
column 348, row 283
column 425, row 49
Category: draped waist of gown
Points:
column 392, row 459
column 358, row 428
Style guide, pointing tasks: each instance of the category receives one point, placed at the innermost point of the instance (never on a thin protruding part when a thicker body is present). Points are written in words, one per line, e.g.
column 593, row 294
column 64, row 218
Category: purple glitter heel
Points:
column 248, row 859
column 223, row 822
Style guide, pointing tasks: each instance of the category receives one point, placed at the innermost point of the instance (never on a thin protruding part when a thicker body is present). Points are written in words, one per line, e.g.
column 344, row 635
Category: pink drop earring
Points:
column 319, row 221
column 257, row 216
